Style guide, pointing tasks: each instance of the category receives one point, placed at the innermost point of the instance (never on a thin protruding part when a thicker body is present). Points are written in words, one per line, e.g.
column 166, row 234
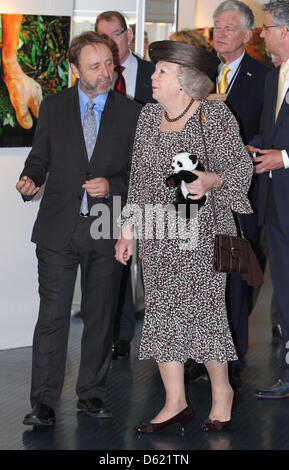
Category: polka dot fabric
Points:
column 185, row 311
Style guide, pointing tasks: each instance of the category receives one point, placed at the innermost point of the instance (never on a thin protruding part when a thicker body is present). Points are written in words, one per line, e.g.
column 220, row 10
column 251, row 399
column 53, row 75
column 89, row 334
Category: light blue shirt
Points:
column 233, row 68
column 99, row 101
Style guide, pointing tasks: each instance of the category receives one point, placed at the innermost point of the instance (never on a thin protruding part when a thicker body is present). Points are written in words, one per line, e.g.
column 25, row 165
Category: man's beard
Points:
column 101, row 86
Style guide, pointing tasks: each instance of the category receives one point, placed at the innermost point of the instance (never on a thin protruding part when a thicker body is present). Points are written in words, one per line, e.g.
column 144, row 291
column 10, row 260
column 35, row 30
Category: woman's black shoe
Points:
column 182, row 418
column 215, row 425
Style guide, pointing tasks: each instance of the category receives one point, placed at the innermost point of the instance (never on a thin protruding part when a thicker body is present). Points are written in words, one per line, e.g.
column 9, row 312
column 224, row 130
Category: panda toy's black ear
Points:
column 193, row 158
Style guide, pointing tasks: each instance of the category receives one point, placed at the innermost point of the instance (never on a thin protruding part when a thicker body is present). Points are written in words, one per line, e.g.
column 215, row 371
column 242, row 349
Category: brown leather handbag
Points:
column 233, row 254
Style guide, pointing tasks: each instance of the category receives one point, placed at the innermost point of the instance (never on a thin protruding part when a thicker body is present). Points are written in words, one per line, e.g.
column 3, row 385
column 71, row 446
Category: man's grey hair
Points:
column 195, row 83
column 246, row 15
column 280, row 12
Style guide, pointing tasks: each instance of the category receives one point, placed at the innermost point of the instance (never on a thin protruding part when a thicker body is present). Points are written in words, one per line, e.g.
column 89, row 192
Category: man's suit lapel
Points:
column 243, row 77
column 273, row 93
column 106, row 122
column 76, row 128
column 285, row 104
column 106, row 125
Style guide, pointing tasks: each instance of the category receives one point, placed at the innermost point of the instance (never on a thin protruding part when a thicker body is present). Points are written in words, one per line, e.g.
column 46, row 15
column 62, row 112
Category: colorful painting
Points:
column 34, row 64
column 256, row 48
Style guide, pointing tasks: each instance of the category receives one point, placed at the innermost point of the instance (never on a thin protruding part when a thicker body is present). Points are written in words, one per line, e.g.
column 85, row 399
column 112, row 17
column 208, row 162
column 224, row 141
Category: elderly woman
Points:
column 185, row 313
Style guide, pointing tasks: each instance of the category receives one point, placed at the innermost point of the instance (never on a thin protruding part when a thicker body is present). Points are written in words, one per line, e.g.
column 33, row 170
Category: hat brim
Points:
column 184, row 54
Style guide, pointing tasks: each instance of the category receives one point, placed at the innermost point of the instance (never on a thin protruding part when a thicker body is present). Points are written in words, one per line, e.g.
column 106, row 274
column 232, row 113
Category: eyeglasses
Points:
column 117, row 34
column 113, row 36
column 268, row 27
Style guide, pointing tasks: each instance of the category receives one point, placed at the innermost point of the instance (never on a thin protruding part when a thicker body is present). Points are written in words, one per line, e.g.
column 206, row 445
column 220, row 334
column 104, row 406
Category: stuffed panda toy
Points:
column 182, row 166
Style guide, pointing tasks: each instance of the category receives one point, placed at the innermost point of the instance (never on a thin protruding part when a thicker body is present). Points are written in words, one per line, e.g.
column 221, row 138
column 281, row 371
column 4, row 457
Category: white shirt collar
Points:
column 129, row 60
column 233, row 66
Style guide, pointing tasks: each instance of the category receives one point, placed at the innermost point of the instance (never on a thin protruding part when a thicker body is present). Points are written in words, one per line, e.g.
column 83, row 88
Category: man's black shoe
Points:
column 41, row 415
column 120, row 349
column 276, row 333
column 235, row 378
column 94, row 407
column 279, row 390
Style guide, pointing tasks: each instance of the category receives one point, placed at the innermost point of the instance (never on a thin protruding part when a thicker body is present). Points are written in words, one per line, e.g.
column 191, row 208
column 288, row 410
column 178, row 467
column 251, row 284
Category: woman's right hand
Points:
column 124, row 245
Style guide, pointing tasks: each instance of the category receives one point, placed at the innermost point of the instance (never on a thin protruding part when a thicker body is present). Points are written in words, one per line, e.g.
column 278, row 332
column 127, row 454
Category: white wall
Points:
column 186, row 14
column 18, row 271
column 87, row 10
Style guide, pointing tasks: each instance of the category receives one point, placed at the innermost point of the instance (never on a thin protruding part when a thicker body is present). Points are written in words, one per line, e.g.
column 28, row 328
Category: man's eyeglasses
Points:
column 268, row 27
column 116, row 35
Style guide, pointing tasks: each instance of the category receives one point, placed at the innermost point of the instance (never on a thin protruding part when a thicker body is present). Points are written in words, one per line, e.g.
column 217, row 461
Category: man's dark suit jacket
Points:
column 59, row 150
column 274, row 135
column 143, row 88
column 246, row 101
column 246, row 96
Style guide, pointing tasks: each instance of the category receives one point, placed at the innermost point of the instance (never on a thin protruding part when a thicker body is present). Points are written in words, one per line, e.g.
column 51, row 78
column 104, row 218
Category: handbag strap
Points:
column 201, row 116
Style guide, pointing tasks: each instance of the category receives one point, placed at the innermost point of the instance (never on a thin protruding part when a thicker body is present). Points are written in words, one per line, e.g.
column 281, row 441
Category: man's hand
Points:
column 97, row 187
column 26, row 187
column 269, row 160
column 251, row 149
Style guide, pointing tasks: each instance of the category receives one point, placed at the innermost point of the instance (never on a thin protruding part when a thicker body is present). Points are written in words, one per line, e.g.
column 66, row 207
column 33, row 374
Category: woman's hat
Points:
column 184, row 54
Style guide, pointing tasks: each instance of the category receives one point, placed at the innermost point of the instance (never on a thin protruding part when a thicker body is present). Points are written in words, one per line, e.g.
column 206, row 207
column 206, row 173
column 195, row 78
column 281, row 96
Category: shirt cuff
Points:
column 285, row 159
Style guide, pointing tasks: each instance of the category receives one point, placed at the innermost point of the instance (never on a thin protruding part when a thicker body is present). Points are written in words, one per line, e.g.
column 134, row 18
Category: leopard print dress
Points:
column 185, row 311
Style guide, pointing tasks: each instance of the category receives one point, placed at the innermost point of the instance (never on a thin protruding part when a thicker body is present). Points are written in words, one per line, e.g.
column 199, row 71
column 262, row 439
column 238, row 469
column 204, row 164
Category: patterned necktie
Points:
column 284, row 69
column 120, row 83
column 90, row 133
column 223, row 82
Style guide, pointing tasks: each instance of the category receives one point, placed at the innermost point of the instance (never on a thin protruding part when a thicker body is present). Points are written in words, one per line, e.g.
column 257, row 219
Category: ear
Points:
column 247, row 36
column 284, row 32
column 193, row 158
column 74, row 70
column 129, row 35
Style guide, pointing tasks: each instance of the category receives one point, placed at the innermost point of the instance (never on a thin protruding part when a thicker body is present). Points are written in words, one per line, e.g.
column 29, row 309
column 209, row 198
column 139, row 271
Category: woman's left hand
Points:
column 206, row 180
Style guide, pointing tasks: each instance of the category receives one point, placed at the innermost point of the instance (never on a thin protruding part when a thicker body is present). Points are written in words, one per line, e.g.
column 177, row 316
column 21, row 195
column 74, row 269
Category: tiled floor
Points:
column 135, row 393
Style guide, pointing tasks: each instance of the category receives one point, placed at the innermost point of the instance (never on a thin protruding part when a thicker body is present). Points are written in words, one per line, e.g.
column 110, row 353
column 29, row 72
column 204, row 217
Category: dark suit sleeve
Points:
column 37, row 162
column 143, row 90
column 130, row 213
column 118, row 183
column 257, row 140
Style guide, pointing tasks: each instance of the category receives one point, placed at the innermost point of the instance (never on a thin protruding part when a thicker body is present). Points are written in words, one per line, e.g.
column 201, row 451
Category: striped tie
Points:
column 89, row 132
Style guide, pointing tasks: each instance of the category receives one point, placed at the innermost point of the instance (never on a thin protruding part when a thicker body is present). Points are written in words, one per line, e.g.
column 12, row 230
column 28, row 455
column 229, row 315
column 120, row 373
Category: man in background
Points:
column 272, row 164
column 132, row 74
